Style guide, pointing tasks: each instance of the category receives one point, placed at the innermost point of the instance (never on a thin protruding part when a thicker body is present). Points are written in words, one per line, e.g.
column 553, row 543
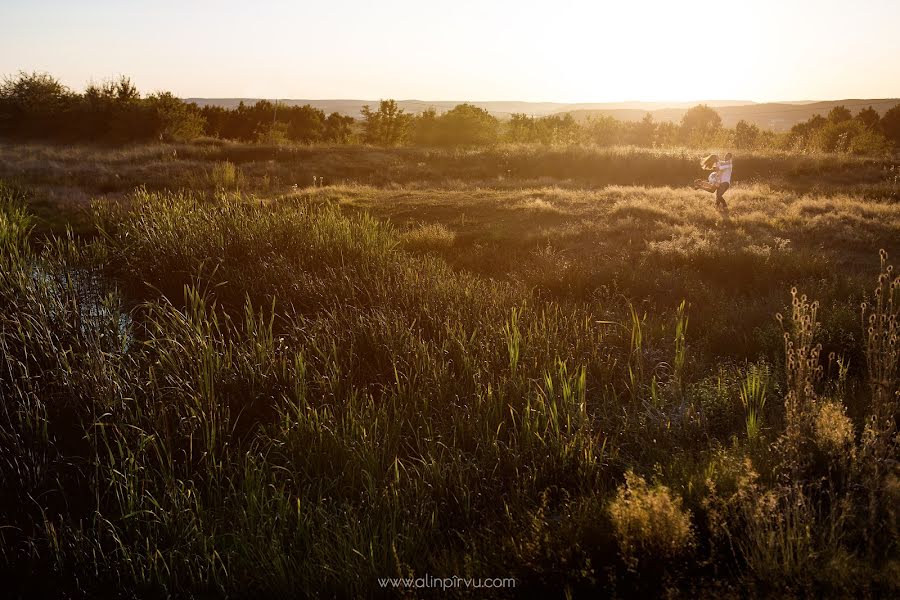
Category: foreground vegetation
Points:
column 486, row 365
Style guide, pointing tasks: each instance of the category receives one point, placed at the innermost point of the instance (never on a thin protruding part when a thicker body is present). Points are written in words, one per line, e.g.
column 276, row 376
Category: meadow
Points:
column 248, row 370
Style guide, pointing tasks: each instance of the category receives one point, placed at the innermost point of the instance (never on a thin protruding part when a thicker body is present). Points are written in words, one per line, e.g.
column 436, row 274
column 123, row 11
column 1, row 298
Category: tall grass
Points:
column 290, row 403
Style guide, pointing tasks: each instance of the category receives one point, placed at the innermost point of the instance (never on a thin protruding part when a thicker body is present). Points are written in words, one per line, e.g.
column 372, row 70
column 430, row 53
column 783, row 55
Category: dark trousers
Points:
column 720, row 192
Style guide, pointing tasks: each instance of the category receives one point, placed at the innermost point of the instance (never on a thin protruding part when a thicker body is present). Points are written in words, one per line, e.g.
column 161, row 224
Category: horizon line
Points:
column 704, row 100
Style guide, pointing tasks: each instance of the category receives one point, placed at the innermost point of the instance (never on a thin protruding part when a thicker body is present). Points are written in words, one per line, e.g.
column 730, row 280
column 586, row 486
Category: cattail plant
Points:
column 753, row 398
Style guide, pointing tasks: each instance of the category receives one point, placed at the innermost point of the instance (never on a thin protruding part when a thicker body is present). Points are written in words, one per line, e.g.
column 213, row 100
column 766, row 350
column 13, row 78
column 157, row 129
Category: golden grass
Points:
column 658, row 216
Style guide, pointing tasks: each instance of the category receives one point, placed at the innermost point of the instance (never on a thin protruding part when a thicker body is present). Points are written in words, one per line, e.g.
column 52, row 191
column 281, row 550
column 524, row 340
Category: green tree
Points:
column 801, row 135
column 520, row 129
column 116, row 104
column 304, row 123
column 699, row 125
column 556, row 129
column 890, row 125
column 467, row 125
column 34, row 105
column 745, row 135
column 275, row 133
column 339, row 128
column 174, row 119
column 426, row 128
column 603, row 130
column 851, row 137
column 667, row 134
column 387, row 126
column 869, row 118
column 644, row 133
column 839, row 114
column 868, row 142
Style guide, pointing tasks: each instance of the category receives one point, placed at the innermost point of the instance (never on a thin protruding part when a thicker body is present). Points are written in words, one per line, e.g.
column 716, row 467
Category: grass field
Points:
column 558, row 366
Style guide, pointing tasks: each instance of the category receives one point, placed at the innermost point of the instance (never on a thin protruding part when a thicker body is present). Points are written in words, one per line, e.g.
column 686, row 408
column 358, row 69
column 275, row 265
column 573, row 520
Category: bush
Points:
column 434, row 236
column 387, row 126
column 34, row 105
column 833, row 430
column 649, row 522
column 699, row 125
column 175, row 120
column 225, row 175
column 464, row 125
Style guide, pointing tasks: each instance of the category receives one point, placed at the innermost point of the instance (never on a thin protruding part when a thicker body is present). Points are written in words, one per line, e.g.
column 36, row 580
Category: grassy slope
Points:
column 656, row 247
column 63, row 176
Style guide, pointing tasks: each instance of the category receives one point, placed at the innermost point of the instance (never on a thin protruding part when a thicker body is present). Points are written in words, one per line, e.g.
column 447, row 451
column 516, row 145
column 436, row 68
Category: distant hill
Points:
column 500, row 109
column 778, row 116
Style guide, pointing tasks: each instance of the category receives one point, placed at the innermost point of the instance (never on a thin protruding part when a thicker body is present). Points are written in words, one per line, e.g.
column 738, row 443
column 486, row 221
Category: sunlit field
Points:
column 253, row 371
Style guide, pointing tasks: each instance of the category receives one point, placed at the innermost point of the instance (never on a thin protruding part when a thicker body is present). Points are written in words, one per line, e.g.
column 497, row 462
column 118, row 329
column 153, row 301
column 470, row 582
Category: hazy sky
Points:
column 569, row 51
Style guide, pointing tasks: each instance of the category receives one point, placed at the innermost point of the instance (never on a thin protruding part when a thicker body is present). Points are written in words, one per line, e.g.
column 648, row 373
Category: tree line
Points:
column 35, row 106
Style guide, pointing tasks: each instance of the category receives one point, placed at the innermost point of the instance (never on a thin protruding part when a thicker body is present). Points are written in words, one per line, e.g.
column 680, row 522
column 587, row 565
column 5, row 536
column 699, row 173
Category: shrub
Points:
column 463, row 125
column 890, row 125
column 387, row 126
column 699, row 126
column 34, row 105
column 175, row 120
column 225, row 175
column 833, row 430
column 649, row 521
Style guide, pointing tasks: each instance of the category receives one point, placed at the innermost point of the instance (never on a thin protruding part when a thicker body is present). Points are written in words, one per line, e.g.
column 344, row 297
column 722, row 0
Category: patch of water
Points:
column 91, row 297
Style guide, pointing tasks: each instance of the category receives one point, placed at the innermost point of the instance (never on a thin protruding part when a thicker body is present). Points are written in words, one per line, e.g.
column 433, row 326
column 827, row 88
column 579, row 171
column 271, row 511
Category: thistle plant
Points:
column 801, row 362
column 883, row 346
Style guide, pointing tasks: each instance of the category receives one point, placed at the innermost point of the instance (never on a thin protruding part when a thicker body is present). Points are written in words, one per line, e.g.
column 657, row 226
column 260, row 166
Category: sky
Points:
column 560, row 51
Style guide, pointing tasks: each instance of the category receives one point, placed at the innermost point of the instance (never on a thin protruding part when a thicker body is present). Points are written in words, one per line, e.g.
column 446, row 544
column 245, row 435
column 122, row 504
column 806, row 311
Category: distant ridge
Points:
column 501, row 109
column 778, row 116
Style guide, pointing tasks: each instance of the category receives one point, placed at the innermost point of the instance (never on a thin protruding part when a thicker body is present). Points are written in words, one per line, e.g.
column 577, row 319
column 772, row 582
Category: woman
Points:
column 719, row 180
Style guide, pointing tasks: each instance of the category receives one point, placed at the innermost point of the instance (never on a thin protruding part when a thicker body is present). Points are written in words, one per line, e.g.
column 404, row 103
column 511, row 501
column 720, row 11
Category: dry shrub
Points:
column 649, row 521
column 433, row 236
column 833, row 429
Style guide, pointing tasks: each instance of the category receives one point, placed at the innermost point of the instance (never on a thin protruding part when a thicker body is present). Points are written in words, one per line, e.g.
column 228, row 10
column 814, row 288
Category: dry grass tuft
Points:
column 649, row 522
column 833, row 429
